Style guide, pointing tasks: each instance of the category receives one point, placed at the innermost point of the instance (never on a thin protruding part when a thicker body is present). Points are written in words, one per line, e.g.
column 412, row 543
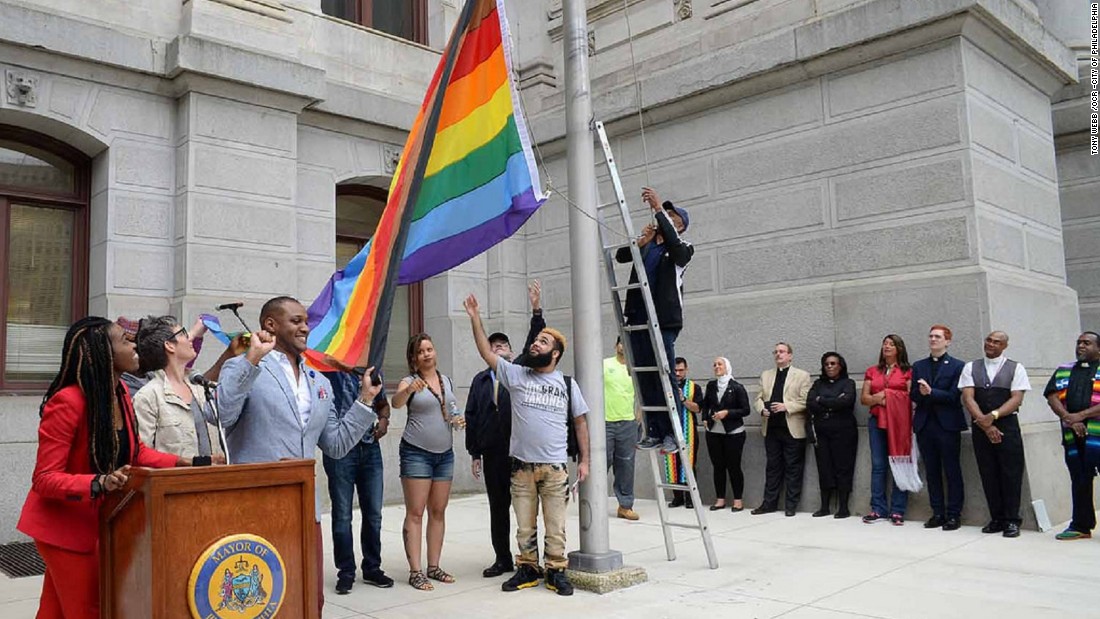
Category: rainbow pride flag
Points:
column 466, row 181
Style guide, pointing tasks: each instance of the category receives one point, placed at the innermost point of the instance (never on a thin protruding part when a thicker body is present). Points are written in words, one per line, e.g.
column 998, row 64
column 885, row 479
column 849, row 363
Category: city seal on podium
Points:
column 237, row 577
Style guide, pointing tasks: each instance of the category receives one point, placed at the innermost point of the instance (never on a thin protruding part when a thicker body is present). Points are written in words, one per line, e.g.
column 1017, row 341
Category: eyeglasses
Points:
column 182, row 331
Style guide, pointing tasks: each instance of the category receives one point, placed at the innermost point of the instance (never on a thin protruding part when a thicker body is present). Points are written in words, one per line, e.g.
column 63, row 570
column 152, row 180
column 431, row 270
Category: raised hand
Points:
column 651, row 198
column 259, row 345
column 367, row 389
column 472, row 308
column 534, row 294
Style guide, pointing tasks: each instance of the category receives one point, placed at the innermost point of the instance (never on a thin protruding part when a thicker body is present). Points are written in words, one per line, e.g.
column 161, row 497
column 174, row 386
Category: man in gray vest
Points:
column 992, row 391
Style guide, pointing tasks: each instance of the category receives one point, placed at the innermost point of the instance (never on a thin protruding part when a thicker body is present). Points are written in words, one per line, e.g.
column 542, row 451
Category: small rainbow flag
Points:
column 466, row 181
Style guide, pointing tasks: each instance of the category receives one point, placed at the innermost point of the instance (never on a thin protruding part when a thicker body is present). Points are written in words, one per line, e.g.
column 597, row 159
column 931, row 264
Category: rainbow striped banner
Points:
column 466, row 181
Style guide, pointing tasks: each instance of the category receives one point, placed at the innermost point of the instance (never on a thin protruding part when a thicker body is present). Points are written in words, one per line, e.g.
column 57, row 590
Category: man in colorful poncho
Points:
column 1073, row 393
column 691, row 396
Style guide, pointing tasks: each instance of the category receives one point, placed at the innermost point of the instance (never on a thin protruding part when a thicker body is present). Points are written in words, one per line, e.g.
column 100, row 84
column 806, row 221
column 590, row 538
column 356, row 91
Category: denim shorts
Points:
column 417, row 463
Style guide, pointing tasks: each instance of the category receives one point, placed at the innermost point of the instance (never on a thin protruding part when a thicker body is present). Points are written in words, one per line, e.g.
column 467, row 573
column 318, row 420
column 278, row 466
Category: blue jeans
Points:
column 360, row 471
column 880, row 472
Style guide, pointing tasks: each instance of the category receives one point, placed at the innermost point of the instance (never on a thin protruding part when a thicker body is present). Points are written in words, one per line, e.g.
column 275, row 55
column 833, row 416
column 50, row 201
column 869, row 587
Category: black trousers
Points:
column 835, row 452
column 725, row 454
column 1080, row 477
column 940, row 450
column 1001, row 468
column 497, row 469
column 786, row 458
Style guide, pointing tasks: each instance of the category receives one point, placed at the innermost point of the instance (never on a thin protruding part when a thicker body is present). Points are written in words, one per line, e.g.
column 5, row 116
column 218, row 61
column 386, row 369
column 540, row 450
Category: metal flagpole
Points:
column 584, row 247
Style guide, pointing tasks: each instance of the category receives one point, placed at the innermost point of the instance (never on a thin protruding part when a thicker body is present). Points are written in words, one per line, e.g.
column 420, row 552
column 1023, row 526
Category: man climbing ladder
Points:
column 665, row 256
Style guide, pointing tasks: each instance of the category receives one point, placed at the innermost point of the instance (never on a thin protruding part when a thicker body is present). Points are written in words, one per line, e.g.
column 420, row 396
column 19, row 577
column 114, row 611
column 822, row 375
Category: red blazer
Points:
column 59, row 509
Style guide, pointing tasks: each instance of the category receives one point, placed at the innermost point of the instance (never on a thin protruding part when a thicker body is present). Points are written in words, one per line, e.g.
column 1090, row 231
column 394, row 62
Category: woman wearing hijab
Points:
column 832, row 402
column 725, row 406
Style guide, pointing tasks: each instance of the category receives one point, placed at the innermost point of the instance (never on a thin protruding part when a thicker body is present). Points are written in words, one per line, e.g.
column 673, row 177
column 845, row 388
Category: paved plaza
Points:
column 771, row 566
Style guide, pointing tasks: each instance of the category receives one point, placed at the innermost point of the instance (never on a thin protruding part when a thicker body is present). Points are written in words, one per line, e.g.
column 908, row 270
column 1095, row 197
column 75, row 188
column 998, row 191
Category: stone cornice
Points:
column 829, row 43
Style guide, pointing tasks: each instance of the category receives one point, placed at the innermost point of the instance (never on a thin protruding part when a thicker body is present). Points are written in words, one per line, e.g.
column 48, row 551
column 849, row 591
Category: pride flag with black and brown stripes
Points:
column 466, row 181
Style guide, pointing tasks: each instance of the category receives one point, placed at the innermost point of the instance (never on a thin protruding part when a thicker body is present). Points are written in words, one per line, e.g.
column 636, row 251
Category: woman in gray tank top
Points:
column 427, row 460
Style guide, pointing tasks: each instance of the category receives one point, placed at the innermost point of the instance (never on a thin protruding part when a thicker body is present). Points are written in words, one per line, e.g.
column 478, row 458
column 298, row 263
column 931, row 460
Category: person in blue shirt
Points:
column 360, row 471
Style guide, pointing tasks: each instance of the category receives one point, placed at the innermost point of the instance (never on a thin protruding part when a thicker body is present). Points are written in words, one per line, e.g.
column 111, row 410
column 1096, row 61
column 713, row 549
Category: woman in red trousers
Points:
column 87, row 441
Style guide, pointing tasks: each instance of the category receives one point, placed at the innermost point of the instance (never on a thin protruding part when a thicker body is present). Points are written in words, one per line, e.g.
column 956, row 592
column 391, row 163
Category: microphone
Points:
column 229, row 306
column 202, row 381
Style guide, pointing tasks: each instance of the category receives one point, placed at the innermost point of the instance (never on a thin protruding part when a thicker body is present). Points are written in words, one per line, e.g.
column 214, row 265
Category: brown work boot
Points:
column 627, row 513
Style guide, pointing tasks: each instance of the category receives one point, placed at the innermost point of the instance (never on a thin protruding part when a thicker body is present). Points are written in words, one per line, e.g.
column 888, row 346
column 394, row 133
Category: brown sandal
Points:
column 435, row 573
column 418, row 581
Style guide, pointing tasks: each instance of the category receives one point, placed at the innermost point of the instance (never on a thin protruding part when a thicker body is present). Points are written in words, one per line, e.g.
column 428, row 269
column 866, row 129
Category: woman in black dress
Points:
column 725, row 406
column 832, row 401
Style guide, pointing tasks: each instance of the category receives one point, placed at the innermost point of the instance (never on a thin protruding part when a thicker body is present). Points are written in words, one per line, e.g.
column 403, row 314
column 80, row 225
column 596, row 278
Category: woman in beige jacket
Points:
column 170, row 410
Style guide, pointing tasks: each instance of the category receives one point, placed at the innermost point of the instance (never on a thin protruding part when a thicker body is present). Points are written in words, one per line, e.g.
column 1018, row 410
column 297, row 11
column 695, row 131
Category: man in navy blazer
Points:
column 273, row 406
column 938, row 422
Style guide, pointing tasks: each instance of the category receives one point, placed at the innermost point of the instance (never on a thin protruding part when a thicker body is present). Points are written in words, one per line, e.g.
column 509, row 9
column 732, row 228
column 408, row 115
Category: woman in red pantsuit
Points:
column 87, row 441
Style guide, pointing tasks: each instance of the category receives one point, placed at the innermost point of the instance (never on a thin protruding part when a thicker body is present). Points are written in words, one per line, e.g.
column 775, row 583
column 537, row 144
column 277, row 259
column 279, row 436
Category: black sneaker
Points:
column 526, row 576
column 378, row 579
column 557, row 581
column 649, row 443
column 343, row 585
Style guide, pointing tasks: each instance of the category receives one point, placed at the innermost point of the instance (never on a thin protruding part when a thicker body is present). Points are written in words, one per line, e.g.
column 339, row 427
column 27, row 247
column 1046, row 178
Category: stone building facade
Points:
column 852, row 167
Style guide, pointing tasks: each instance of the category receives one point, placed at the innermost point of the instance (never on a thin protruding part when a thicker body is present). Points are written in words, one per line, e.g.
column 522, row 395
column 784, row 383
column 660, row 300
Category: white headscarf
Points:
column 724, row 380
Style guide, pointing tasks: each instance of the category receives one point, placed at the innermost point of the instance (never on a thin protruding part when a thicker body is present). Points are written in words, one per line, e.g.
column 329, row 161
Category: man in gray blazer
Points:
column 273, row 406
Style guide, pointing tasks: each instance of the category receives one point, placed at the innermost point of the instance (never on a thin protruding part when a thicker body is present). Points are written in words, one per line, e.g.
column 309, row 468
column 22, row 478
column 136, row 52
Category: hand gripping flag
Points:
column 466, row 181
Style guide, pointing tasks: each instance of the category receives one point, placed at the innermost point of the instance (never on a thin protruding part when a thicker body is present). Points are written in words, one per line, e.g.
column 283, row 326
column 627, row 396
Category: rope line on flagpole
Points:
column 551, row 188
column 637, row 91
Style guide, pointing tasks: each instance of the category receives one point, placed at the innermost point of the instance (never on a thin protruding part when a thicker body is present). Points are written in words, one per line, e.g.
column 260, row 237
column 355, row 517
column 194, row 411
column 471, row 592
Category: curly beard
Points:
column 537, row 362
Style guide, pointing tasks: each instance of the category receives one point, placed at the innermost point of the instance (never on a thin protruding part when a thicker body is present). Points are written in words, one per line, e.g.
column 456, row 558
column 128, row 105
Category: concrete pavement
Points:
column 771, row 566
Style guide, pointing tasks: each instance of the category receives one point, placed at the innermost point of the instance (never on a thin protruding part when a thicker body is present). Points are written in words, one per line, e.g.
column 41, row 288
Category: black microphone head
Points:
column 202, row 381
column 229, row 306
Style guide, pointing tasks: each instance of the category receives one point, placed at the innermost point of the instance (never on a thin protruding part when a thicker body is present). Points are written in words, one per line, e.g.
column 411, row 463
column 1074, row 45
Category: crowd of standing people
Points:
column 125, row 395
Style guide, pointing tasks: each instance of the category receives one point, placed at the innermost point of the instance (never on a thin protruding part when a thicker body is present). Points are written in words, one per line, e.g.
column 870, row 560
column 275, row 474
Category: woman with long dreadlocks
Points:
column 87, row 441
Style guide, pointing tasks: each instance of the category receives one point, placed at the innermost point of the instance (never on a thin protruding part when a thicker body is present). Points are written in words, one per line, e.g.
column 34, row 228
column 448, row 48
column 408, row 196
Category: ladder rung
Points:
column 684, row 487
column 617, row 246
column 647, row 368
column 608, row 205
column 636, row 328
column 654, row 408
column 633, row 286
column 686, row 525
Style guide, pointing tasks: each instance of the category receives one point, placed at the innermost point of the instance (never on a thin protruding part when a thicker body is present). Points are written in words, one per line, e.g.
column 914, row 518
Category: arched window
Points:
column 358, row 210
column 44, row 192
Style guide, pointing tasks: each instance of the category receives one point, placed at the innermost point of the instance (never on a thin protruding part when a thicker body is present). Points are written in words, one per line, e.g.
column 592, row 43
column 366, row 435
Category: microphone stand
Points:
column 212, row 400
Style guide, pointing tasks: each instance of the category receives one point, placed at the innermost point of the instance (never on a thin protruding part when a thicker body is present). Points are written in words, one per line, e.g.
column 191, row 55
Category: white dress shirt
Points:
column 300, row 386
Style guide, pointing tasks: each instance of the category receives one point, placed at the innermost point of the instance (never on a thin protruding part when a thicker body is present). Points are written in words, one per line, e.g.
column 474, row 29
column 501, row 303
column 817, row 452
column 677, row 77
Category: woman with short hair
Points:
column 170, row 409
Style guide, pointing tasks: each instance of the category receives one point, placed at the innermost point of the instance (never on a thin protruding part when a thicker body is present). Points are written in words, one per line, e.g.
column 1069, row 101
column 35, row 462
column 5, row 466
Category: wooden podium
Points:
column 155, row 532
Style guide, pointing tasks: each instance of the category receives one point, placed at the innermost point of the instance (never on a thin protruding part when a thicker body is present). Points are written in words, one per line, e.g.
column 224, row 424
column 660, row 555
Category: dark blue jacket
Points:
column 345, row 391
column 945, row 401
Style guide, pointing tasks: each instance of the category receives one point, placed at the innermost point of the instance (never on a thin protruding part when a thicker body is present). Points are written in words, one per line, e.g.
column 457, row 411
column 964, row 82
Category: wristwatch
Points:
column 996, row 414
column 97, row 487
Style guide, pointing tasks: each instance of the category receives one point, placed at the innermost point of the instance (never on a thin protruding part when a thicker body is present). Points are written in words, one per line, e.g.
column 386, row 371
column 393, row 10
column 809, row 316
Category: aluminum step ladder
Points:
column 614, row 219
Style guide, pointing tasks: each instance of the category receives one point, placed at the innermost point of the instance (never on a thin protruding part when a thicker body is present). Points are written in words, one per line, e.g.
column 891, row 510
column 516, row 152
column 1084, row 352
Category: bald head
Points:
column 995, row 344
